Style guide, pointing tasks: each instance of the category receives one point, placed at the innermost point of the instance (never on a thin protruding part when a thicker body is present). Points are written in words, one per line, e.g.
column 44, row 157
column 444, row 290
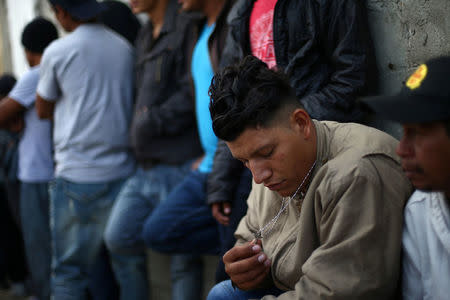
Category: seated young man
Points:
column 425, row 152
column 324, row 217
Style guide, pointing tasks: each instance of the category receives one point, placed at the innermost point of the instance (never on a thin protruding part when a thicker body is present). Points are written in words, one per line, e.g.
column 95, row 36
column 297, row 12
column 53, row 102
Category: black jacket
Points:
column 322, row 46
column 163, row 129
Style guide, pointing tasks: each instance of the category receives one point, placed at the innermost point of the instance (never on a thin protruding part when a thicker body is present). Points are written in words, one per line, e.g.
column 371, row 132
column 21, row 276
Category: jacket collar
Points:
column 440, row 212
column 170, row 17
column 322, row 144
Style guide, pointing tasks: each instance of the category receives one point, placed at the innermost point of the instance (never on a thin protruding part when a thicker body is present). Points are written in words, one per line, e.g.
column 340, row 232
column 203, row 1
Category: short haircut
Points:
column 38, row 34
column 247, row 95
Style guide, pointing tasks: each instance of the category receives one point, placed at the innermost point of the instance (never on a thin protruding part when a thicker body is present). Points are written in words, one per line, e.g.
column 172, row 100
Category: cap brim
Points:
column 86, row 11
column 409, row 108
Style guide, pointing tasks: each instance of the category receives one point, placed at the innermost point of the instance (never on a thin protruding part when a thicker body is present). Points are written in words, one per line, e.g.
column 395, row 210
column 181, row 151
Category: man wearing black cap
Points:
column 86, row 86
column 423, row 108
column 35, row 168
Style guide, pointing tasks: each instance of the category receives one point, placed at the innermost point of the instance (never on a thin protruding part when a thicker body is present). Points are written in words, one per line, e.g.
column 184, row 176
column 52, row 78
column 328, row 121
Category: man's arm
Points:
column 10, row 111
column 44, row 108
column 343, row 43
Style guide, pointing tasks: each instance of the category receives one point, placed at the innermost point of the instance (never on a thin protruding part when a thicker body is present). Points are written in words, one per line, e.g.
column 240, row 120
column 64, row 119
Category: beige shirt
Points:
column 343, row 240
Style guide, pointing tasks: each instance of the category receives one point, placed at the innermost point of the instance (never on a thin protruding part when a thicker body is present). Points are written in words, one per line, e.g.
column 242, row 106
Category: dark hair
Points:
column 247, row 95
column 119, row 17
column 38, row 34
column 7, row 82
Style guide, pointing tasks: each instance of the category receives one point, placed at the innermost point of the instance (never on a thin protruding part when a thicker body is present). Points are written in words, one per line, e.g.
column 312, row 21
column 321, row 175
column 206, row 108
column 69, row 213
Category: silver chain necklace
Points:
column 266, row 229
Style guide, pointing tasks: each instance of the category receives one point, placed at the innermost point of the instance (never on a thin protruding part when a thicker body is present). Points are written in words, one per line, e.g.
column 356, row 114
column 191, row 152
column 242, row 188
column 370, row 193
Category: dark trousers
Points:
column 238, row 210
column 12, row 254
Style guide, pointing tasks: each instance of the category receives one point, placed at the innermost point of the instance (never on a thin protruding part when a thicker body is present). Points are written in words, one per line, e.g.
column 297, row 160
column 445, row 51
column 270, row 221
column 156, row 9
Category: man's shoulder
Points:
column 30, row 76
column 420, row 202
column 351, row 144
column 59, row 47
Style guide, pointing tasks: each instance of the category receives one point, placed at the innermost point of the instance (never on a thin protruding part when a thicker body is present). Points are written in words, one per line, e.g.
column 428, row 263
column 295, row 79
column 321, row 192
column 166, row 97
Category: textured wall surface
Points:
column 406, row 33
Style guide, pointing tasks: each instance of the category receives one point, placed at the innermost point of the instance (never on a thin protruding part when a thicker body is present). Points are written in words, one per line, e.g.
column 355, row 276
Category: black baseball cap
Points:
column 425, row 97
column 81, row 9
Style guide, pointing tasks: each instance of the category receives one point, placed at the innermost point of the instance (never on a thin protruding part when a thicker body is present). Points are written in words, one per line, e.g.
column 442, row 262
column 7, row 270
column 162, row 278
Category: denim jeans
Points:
column 139, row 196
column 225, row 291
column 183, row 223
column 34, row 214
column 78, row 216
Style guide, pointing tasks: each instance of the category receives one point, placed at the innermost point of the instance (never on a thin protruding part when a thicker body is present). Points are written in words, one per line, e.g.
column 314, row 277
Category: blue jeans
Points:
column 225, row 291
column 183, row 223
column 78, row 216
column 34, row 214
column 123, row 236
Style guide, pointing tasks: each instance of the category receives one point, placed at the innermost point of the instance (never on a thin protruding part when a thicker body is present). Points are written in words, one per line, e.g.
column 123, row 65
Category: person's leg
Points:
column 123, row 236
column 238, row 211
column 102, row 282
column 78, row 217
column 138, row 197
column 183, row 222
column 225, row 291
column 187, row 277
column 34, row 213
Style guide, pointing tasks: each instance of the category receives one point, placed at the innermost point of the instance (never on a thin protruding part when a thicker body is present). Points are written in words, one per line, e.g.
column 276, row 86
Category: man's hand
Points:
column 221, row 212
column 247, row 265
column 196, row 163
column 16, row 125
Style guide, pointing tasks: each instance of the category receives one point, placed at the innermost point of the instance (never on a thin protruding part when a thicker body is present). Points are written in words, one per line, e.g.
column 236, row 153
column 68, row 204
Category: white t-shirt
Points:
column 35, row 147
column 89, row 74
column 426, row 246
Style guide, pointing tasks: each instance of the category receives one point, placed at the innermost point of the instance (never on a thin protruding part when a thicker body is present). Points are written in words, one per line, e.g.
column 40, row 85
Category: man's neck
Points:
column 212, row 9
column 156, row 15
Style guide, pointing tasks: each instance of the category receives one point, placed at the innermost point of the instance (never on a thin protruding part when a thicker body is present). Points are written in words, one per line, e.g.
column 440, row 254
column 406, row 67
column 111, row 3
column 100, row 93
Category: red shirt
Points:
column 261, row 31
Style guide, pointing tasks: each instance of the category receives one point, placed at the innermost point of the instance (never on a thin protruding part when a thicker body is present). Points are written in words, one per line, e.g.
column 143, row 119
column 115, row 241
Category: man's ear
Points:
column 301, row 122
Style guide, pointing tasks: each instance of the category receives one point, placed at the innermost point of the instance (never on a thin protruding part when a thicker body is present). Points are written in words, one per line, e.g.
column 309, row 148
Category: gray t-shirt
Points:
column 89, row 74
column 35, row 147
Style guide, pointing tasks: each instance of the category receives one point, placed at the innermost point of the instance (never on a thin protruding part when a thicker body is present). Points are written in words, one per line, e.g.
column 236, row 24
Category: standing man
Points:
column 321, row 46
column 165, row 143
column 183, row 222
column 423, row 108
column 86, row 87
column 35, row 156
column 324, row 218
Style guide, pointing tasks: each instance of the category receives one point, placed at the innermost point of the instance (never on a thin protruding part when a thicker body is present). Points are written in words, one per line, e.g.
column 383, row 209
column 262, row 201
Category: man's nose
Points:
column 260, row 172
column 404, row 148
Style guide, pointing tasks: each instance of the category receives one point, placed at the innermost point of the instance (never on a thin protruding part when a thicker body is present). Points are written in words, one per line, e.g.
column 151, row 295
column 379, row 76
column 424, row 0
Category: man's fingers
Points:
column 241, row 252
column 216, row 212
column 255, row 262
column 253, row 283
column 226, row 208
column 250, row 275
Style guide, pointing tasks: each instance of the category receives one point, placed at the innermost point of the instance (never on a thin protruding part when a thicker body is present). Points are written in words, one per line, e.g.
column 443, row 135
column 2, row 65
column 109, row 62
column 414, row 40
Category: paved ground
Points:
column 159, row 277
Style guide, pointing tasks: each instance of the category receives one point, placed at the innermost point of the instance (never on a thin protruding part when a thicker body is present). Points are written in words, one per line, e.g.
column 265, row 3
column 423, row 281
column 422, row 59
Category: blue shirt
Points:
column 202, row 73
column 35, row 146
column 89, row 76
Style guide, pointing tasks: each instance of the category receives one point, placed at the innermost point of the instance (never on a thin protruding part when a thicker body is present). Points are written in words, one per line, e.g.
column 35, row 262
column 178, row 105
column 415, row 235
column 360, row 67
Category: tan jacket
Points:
column 345, row 241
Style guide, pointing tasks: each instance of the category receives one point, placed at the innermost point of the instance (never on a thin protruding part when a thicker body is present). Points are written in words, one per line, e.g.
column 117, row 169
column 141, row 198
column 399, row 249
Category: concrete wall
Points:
column 406, row 33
